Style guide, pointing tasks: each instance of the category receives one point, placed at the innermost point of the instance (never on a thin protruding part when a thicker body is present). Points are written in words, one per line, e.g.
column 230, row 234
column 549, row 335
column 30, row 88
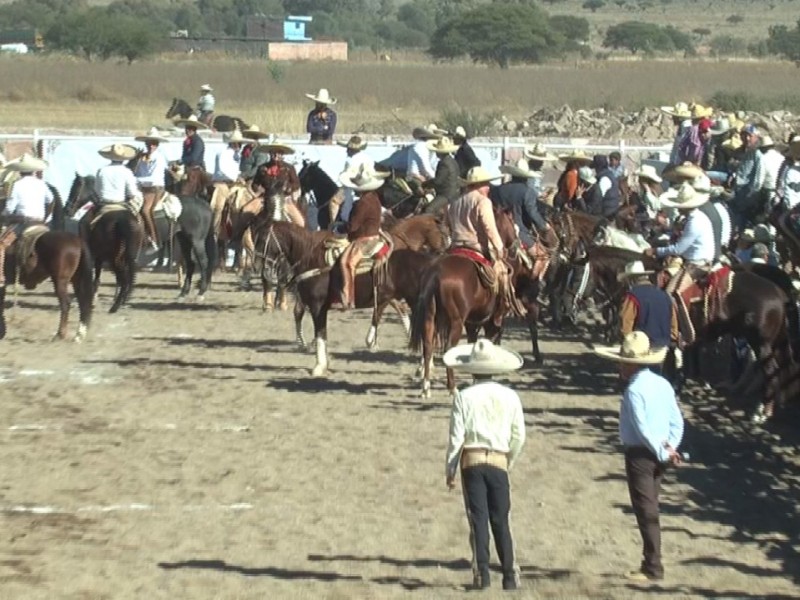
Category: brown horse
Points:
column 422, row 233
column 65, row 259
column 452, row 297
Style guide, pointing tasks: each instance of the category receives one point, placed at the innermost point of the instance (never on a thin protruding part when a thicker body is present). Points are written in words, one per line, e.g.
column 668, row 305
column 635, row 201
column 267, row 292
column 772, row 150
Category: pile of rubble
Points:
column 647, row 125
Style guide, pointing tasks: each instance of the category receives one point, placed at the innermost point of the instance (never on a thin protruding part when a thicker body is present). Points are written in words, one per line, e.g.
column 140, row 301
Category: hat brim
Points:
column 378, row 179
column 649, row 177
column 150, row 138
column 541, row 157
column 465, row 182
column 670, row 110
column 254, row 135
column 350, row 146
column 190, row 123
column 459, row 359
column 279, row 148
column 420, row 133
column 515, row 171
column 681, row 173
column 613, row 353
column 129, row 154
column 591, row 181
column 326, row 101
column 441, row 150
column 28, row 166
column 698, row 200
column 572, row 157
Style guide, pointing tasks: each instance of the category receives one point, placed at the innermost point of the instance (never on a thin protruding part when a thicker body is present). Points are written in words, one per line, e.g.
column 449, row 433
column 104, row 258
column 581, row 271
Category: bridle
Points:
column 277, row 269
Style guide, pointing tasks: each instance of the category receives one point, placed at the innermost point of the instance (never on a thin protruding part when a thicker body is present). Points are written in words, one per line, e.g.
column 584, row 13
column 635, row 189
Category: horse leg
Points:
column 428, row 336
column 98, row 267
column 320, row 316
column 404, row 318
column 268, row 296
column 532, row 319
column 455, row 335
column 372, row 334
column 187, row 261
column 299, row 312
column 201, row 260
column 2, row 311
column 769, row 362
column 472, row 332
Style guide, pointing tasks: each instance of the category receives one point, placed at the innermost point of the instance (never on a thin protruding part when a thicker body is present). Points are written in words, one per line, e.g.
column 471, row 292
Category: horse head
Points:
column 178, row 108
column 505, row 226
column 81, row 192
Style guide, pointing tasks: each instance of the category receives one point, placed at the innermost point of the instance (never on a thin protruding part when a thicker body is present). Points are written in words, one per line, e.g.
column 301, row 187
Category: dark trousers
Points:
column 644, row 472
column 487, row 498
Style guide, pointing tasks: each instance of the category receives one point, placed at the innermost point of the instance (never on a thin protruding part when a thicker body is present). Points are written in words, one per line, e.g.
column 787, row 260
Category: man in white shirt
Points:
column 226, row 172
column 420, row 158
column 115, row 183
column 342, row 203
column 206, row 104
column 487, row 432
column 149, row 173
column 771, row 163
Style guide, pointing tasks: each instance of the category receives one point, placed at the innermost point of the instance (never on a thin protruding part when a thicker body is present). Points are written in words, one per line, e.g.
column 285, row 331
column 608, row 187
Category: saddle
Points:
column 106, row 209
column 171, row 205
column 376, row 252
column 704, row 300
column 26, row 247
column 486, row 273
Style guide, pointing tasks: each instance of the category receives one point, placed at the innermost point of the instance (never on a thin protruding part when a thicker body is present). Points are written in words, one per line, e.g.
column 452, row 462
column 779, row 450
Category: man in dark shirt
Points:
column 647, row 308
column 321, row 121
column 465, row 157
column 445, row 183
column 193, row 154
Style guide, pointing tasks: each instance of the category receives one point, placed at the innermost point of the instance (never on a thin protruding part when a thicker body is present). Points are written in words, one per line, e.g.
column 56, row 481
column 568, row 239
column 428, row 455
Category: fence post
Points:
column 36, row 148
column 504, row 152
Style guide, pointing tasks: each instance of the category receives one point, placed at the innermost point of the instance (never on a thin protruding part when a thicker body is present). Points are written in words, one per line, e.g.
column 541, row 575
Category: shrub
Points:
column 474, row 123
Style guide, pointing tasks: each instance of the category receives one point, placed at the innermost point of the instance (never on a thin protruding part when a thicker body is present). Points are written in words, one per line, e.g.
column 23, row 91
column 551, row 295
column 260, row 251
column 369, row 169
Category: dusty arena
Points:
column 183, row 451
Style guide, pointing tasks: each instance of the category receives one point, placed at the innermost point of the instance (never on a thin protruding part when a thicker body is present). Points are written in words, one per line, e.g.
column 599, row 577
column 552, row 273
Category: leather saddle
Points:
column 703, row 301
column 486, row 272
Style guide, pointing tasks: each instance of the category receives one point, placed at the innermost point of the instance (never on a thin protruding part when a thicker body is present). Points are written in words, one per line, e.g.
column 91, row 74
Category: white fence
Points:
column 70, row 155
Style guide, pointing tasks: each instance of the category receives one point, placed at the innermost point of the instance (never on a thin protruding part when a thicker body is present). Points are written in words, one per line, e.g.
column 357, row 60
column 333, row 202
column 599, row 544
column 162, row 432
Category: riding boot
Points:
column 269, row 301
column 283, row 303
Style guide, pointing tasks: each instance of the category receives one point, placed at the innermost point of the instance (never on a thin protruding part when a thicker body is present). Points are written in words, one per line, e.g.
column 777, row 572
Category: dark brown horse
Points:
column 63, row 258
column 452, row 297
column 422, row 233
column 181, row 109
column 114, row 239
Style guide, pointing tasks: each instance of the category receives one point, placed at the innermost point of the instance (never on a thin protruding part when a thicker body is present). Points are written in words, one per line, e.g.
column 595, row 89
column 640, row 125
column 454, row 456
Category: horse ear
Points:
column 316, row 163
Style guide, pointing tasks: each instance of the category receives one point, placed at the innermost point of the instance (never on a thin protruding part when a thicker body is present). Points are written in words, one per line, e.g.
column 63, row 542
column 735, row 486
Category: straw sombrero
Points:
column 576, row 155
column 234, row 137
column 206, row 88
column 586, row 174
column 538, row 152
column 254, row 133
column 443, row 145
column 477, row 175
column 680, row 173
column 152, row 136
column 649, row 173
column 118, row 152
column 364, row 180
column 520, row 169
column 191, row 121
column 635, row 349
column 680, row 110
column 26, row 164
column 429, row 132
column 323, row 97
column 276, row 148
column 701, row 112
column 633, row 269
column 482, row 358
column 686, row 198
column 355, row 143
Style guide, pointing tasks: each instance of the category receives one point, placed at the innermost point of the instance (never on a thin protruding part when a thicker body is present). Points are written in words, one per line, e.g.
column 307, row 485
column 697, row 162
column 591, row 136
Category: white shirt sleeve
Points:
column 517, row 434
column 227, row 165
column 456, row 436
column 131, row 187
column 605, row 185
column 14, row 200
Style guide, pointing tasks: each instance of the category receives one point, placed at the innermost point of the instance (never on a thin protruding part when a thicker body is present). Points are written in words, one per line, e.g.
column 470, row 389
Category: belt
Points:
column 473, row 457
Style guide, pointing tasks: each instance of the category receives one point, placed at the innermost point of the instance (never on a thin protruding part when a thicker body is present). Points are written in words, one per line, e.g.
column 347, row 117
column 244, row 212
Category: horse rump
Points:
column 429, row 300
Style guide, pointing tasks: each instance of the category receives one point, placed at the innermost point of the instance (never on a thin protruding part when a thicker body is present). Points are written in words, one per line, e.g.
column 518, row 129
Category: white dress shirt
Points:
column 727, row 228
column 485, row 415
column 696, row 244
column 226, row 165
column 150, row 171
column 771, row 162
column 206, row 102
column 790, row 185
column 29, row 198
column 115, row 183
column 351, row 165
column 604, row 184
column 420, row 161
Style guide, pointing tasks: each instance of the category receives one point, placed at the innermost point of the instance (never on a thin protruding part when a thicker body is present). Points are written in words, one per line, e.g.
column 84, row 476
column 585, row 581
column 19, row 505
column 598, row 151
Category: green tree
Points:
column 572, row 28
column 637, row 36
column 594, row 5
column 498, row 34
column 784, row 41
column 727, row 45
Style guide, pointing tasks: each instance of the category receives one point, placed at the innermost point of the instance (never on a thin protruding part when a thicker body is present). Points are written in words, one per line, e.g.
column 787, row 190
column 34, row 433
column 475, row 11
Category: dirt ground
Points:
column 183, row 451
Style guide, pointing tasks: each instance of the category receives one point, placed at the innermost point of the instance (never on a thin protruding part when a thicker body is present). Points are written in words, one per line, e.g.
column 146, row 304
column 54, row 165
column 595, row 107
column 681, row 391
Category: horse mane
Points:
column 304, row 248
column 77, row 192
column 178, row 105
column 313, row 178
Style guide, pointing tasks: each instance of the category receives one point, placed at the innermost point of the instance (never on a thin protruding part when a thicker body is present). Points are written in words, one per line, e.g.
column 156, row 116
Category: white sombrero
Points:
column 118, row 152
column 586, row 174
column 680, row 173
column 206, row 88
column 323, row 97
column 191, row 121
column 575, row 155
column 633, row 269
column 429, row 132
column 152, row 136
column 635, row 349
column 355, row 143
column 460, row 132
column 364, row 180
column 538, row 152
column 687, row 197
column 482, row 358
column 26, row 164
column 648, row 172
column 477, row 175
column 254, row 133
column 520, row 169
column 443, row 145
column 276, row 148
column 233, row 137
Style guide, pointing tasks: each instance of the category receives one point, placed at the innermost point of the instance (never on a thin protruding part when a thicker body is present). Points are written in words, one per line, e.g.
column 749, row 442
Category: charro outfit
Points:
column 26, row 205
column 472, row 225
column 363, row 230
column 648, row 308
column 695, row 245
column 226, row 173
column 445, row 184
column 291, row 192
column 205, row 107
column 115, row 184
column 420, row 165
column 193, row 154
column 352, row 164
column 321, row 125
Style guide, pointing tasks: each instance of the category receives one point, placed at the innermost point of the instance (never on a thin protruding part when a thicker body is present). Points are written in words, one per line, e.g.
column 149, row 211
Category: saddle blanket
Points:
column 29, row 238
column 373, row 252
column 472, row 255
column 617, row 238
column 107, row 209
column 171, row 205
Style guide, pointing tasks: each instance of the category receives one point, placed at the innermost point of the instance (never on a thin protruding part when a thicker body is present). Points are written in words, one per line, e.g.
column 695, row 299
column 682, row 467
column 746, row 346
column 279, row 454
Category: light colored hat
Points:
column 648, row 172
column 482, row 358
column 767, row 142
column 538, row 152
column 191, row 121
column 254, row 133
column 26, row 164
column 429, row 132
column 118, row 152
column 680, row 173
column 686, row 198
column 701, row 184
column 234, row 137
column 586, row 174
column 635, row 349
column 520, row 169
column 701, row 112
column 794, row 146
column 276, row 148
column 354, row 143
column 720, row 126
column 673, row 264
column 363, row 180
column 206, row 88
column 442, row 145
column 323, row 97
column 477, row 175
column 576, row 155
column 680, row 110
column 633, row 269
column 748, row 235
column 460, row 132
column 151, row 136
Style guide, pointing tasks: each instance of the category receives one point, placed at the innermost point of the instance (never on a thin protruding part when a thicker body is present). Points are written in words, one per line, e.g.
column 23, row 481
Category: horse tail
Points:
column 211, row 251
column 130, row 241
column 429, row 300
column 57, row 216
column 83, row 283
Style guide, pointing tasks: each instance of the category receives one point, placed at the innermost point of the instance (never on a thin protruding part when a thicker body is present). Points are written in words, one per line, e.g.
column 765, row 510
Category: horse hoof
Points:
column 200, row 297
column 418, row 373
column 318, row 371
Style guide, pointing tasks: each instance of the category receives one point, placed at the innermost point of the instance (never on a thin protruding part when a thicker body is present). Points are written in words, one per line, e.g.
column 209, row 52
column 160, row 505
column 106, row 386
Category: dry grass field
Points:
column 63, row 93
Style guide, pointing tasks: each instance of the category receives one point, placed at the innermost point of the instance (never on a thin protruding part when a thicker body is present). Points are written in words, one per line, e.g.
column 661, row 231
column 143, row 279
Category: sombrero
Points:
column 460, row 132
column 720, row 127
column 429, row 132
column 276, row 148
column 254, row 133
column 354, row 143
column 206, row 88
column 233, row 137
column 681, row 173
column 520, row 169
column 538, row 152
column 323, row 97
column 586, row 174
column 635, row 349
column 191, row 121
column 443, row 145
column 118, row 152
column 364, row 180
column 680, row 110
column 686, row 198
column 26, row 164
column 633, row 269
column 477, row 175
column 151, row 136
column 576, row 155
column 482, row 358
column 649, row 173
column 701, row 112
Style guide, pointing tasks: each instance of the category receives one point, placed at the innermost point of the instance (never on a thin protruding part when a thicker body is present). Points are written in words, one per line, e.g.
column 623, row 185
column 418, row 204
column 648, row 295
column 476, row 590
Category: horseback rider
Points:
column 567, row 186
column 252, row 157
column 518, row 197
column 445, row 182
column 115, row 184
column 341, row 204
column 363, row 229
column 465, row 155
column 194, row 148
column 608, row 184
column 277, row 168
column 206, row 104
column 149, row 173
column 321, row 121
column 420, row 164
column 29, row 203
column 226, row 173
column 588, row 197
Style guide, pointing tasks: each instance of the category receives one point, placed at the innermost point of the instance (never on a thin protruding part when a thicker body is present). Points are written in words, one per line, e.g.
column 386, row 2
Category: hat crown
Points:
column 478, row 174
column 586, row 174
column 460, row 131
column 635, row 268
column 635, row 345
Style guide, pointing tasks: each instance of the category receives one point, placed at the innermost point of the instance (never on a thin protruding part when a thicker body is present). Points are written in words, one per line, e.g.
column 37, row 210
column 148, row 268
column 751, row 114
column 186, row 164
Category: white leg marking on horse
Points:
column 372, row 337
column 322, row 358
column 406, row 323
column 81, row 335
column 301, row 339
